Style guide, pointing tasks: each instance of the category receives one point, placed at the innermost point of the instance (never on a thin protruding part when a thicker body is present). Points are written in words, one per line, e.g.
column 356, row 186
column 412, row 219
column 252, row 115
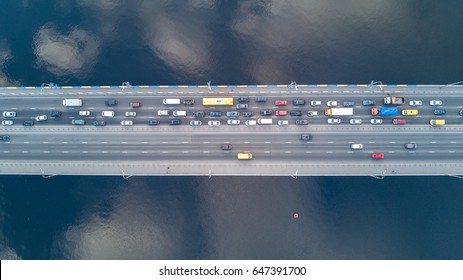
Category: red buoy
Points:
column 296, row 215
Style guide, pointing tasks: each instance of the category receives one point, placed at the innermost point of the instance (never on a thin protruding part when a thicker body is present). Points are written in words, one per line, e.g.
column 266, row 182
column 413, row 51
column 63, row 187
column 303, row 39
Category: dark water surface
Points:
column 106, row 42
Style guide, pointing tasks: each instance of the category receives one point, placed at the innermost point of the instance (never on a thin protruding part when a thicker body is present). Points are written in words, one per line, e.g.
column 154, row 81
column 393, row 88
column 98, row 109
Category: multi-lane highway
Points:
column 55, row 146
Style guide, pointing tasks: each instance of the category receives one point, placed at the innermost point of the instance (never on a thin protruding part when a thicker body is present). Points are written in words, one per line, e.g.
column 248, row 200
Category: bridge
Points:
column 57, row 147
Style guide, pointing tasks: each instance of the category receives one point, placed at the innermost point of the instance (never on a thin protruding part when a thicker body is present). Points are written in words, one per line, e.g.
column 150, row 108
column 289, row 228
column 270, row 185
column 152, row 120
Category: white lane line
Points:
column 185, row 142
column 267, row 152
column 6, row 152
column 44, row 142
column 64, row 142
column 267, row 142
column 392, row 142
column 431, row 152
column 371, row 142
column 308, row 152
column 104, row 142
column 287, row 152
column 84, row 142
column 453, row 142
column 185, row 152
column 329, row 152
column 451, row 151
column 165, row 152
column 205, row 142
column 144, row 142
column 205, row 152
column 288, row 142
column 330, row 142
column 124, row 152
column 66, row 152
column 26, row 142
column 46, row 152
column 123, row 142
column 165, row 142
column 104, row 152
column 144, row 152
column 85, row 152
column 247, row 142
column 433, row 142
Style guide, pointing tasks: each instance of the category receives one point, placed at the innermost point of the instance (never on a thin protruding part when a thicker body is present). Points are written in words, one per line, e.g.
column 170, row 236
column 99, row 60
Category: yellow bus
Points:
column 218, row 101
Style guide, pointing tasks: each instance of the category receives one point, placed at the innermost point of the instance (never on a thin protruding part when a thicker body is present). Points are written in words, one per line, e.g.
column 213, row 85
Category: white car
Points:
column 233, row 122
column 355, row 121
column 333, row 121
column 84, row 113
column 130, row 114
column 435, row 102
column 415, row 103
column 7, row 122
column 213, row 123
column 315, row 103
column 332, row 103
column 7, row 114
column 356, row 146
column 250, row 122
column 376, row 121
column 126, row 122
column 195, row 123
column 41, row 118
column 283, row 122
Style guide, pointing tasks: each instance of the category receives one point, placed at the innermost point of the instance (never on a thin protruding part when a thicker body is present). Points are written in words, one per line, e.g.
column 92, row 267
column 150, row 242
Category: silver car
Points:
column 376, row 121
column 334, row 121
column 355, row 121
column 9, row 114
column 7, row 122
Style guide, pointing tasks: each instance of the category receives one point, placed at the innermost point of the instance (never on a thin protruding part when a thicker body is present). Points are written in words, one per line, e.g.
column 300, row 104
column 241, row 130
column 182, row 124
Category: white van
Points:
column 250, row 122
column 163, row 112
column 179, row 113
column 107, row 113
column 171, row 101
column 356, row 146
column 265, row 121
column 75, row 102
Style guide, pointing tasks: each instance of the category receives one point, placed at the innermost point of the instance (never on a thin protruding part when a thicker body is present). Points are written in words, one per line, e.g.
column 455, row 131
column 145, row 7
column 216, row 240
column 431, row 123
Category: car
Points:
column 281, row 102
column 410, row 145
column 437, row 122
column 298, row 102
column 99, row 123
column 241, row 106
column 302, row 122
column 153, row 122
column 281, row 113
column 376, row 121
column 409, row 112
column 198, row 114
column 377, row 155
column 7, row 122
column 312, row 113
column 295, row 113
column 188, row 101
column 415, row 103
column 78, row 122
column 196, row 123
column 215, row 114
column 266, row 112
column 261, row 99
column 348, row 103
column 243, row 99
column 248, row 114
column 163, row 112
column 460, row 113
column 398, row 121
column 283, row 122
column 135, row 104
column 130, row 114
column 107, row 113
column 175, row 122
column 305, row 137
column 233, row 122
column 28, row 123
column 250, row 122
column 356, row 146
column 55, row 114
column 331, row 103
column 435, row 102
column 355, row 121
column 439, row 112
column 111, row 102
column 233, row 114
column 126, row 122
column 41, row 118
column 226, row 147
column 4, row 137
column 213, row 123
column 334, row 121
column 84, row 113
column 314, row 103
column 9, row 114
column 368, row 102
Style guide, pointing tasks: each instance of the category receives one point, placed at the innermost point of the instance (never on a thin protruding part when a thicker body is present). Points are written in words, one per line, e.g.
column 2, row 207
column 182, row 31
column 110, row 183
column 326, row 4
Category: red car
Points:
column 135, row 104
column 281, row 113
column 281, row 102
column 377, row 155
column 398, row 121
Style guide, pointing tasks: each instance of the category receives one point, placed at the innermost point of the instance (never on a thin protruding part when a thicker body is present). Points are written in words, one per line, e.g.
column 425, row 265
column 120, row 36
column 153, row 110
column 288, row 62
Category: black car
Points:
column 4, row 137
column 261, row 99
column 226, row 147
column 153, row 122
column 297, row 102
column 198, row 114
column 368, row 102
column 188, row 101
column 99, row 123
column 460, row 113
column 439, row 112
column 248, row 114
column 305, row 137
column 55, row 114
column 111, row 102
column 348, row 103
column 302, row 122
column 266, row 112
column 243, row 99
column 175, row 122
column 28, row 123
column 295, row 113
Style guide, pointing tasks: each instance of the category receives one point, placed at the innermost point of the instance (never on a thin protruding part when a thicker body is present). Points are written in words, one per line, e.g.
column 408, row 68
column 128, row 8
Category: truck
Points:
column 265, row 121
column 384, row 111
column 339, row 111
column 394, row 100
column 74, row 102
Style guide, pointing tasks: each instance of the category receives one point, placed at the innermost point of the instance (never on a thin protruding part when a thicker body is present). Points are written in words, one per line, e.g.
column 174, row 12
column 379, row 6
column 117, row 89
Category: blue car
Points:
column 215, row 114
column 439, row 112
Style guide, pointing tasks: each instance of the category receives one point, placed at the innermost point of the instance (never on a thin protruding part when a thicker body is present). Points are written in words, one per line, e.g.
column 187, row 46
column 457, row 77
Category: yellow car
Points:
column 412, row 112
column 437, row 122
column 244, row 155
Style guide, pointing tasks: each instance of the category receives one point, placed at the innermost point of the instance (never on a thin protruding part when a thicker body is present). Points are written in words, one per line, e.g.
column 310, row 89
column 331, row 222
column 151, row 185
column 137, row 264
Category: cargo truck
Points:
column 339, row 111
column 75, row 102
column 394, row 100
column 384, row 111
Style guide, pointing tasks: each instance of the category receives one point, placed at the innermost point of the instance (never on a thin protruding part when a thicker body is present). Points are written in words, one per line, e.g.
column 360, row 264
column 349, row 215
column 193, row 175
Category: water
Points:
column 106, row 42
